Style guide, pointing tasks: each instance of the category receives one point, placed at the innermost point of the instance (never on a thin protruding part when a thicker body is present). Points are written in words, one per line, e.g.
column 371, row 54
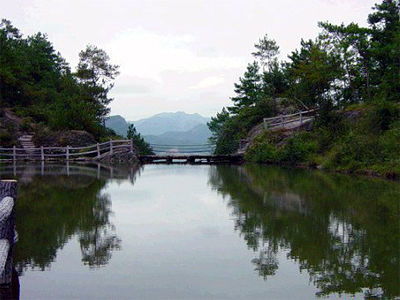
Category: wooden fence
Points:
column 92, row 152
column 282, row 120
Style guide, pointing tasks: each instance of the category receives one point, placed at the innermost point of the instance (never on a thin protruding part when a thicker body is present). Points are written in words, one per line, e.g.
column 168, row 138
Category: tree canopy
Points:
column 37, row 82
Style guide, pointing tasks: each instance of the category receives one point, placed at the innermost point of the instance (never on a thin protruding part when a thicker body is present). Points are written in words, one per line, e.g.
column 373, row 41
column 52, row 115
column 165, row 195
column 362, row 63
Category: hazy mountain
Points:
column 158, row 124
column 167, row 128
column 118, row 124
column 196, row 136
column 195, row 139
column 164, row 122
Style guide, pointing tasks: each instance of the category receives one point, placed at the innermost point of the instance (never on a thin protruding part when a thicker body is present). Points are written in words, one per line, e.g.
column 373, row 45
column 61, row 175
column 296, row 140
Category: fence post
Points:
column 111, row 147
column 41, row 153
column 98, row 150
column 14, row 153
column 301, row 118
column 131, row 145
column 67, row 153
column 282, row 116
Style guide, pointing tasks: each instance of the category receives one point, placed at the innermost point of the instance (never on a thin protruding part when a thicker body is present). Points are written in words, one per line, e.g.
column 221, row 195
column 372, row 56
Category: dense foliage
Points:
column 346, row 68
column 38, row 84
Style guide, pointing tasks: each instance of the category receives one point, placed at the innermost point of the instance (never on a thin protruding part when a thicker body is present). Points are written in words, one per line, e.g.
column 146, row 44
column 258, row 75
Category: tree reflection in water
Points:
column 343, row 230
column 56, row 203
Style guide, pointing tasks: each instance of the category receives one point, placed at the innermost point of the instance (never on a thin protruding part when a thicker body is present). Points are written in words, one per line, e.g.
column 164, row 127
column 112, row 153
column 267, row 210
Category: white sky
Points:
column 177, row 55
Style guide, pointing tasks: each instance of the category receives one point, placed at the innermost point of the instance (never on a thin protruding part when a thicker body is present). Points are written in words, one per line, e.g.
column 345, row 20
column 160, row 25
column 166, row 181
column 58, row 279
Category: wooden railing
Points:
column 281, row 120
column 95, row 151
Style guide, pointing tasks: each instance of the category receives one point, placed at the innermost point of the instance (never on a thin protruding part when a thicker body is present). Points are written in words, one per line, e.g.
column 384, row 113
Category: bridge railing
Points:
column 67, row 153
column 281, row 120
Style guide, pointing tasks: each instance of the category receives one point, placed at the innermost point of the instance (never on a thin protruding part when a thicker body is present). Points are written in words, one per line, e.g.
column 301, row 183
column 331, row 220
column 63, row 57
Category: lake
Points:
column 204, row 232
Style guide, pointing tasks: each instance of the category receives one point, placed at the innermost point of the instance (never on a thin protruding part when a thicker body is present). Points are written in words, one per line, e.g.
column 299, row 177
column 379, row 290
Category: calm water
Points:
column 204, row 232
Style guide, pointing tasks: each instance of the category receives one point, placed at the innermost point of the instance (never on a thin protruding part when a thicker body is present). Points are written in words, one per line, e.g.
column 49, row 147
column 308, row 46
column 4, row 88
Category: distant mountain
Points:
column 164, row 122
column 118, row 124
column 167, row 129
column 196, row 136
column 158, row 124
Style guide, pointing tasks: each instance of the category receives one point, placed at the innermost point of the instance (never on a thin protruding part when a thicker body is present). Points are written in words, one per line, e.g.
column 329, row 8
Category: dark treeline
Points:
column 38, row 84
column 346, row 68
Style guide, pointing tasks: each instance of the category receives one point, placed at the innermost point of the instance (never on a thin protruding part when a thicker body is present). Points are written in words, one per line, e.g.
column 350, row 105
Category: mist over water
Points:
column 204, row 232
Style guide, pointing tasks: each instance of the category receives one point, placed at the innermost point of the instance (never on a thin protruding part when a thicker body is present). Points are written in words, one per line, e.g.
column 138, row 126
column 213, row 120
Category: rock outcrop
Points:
column 73, row 138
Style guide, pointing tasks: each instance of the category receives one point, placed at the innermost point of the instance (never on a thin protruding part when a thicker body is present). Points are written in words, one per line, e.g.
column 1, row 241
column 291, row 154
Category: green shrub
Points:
column 270, row 147
column 263, row 152
column 299, row 148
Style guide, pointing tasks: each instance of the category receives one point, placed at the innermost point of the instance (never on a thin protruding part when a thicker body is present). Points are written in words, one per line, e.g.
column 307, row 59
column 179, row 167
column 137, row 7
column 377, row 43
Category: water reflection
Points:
column 58, row 202
column 343, row 231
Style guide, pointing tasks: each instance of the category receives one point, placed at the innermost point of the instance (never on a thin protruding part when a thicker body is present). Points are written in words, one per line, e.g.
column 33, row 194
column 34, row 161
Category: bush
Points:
column 381, row 115
column 263, row 152
column 271, row 148
column 299, row 148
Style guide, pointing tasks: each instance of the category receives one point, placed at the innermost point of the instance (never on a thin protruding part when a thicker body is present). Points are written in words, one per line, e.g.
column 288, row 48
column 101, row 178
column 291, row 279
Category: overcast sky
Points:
column 177, row 55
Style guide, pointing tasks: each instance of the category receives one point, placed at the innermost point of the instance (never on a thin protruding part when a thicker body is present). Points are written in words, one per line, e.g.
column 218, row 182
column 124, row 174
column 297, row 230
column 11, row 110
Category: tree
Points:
column 96, row 75
column 313, row 72
column 351, row 46
column 385, row 48
column 142, row 146
column 267, row 50
column 249, row 89
column 216, row 124
column 275, row 81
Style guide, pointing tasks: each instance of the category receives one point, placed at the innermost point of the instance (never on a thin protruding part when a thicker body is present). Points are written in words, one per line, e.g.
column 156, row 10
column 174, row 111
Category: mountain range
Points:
column 168, row 128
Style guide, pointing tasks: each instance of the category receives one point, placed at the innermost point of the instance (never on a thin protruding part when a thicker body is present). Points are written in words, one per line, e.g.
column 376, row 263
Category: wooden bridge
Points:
column 86, row 153
column 193, row 154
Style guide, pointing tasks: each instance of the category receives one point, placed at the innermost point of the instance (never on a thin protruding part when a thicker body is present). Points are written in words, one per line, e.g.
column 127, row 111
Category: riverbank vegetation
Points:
column 351, row 74
column 40, row 89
